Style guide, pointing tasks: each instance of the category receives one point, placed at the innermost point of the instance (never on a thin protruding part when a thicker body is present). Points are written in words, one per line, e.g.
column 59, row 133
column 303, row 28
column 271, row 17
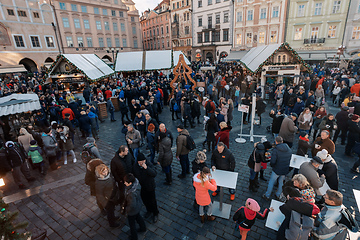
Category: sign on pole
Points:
column 243, row 108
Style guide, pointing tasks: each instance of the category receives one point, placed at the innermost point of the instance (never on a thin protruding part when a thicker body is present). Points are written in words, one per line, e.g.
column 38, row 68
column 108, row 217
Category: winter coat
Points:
column 305, row 125
column 85, row 122
column 259, row 152
column 319, row 93
column 260, row 106
column 35, row 154
column 329, row 125
column 187, row 110
column 277, row 121
column 121, row 166
column 280, row 159
column 132, row 199
column 146, row 176
column 310, row 172
column 197, row 166
column 327, row 222
column 288, row 129
column 15, row 155
column 211, row 128
column 168, row 134
column 330, row 170
column 224, row 136
column 223, row 161
column 65, row 143
column 165, row 154
column 150, row 138
column 24, row 140
column 298, row 107
column 181, row 141
column 4, row 163
column 327, row 144
column 104, row 189
column 310, row 100
column 135, row 137
column 138, row 126
column 303, row 147
column 123, row 107
column 246, row 217
column 90, row 177
column 50, row 145
column 202, row 196
column 195, row 109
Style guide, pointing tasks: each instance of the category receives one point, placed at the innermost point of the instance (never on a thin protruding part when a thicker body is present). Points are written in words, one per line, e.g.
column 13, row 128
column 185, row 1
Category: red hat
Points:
column 252, row 205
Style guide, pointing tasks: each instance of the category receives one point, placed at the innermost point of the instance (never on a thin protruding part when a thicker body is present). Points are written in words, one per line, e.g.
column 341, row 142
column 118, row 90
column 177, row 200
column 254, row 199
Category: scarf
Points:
column 304, row 139
column 249, row 214
column 307, row 117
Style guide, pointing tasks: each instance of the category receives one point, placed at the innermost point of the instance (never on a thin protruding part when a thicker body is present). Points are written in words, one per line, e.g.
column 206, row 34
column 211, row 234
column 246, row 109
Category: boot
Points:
column 252, row 186
column 210, row 218
column 202, row 218
column 168, row 179
column 42, row 170
column 256, row 181
column 262, row 175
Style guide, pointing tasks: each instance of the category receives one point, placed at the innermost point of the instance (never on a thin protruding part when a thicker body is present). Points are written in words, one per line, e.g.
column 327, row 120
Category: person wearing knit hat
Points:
column 150, row 139
column 303, row 144
column 329, row 169
column 246, row 215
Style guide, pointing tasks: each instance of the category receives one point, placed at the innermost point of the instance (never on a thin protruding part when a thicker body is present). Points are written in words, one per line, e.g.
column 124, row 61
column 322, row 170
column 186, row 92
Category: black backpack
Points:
column 190, row 144
column 300, row 226
column 86, row 154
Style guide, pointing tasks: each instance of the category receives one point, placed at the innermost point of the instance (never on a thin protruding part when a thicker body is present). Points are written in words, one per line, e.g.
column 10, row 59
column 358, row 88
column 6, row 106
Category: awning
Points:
column 257, row 55
column 19, row 103
column 13, row 69
column 322, row 55
column 235, row 56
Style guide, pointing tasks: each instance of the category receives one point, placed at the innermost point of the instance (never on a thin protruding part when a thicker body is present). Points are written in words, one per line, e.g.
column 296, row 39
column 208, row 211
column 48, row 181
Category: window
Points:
column 89, row 42
column 187, row 30
column 116, row 2
column 209, row 2
column 49, row 42
column 69, row 42
column 209, row 21
column 239, row 17
column 261, row 37
column 207, row 37
column 80, row 41
column 239, row 1
column 134, row 30
column 318, row 7
column 173, row 5
column 200, row 3
column 101, row 42
column 124, row 42
column 238, row 39
column 298, row 33
column 217, row 18
column 73, row 7
column 301, row 10
column 168, row 43
column 86, row 24
column 107, row 26
column 248, row 38
column 77, row 23
column 162, row 30
column 21, row 13
column 121, row 14
column 217, row 1
column 177, row 5
column 132, row 19
column 184, row 16
column 314, row 32
column 226, row 17
column 273, row 37
column 115, row 27
column 336, row 7
column 167, row 29
column 216, row 36
column 113, row 13
column 66, row 22
column 108, row 42
column 275, row 12
column 225, row 35
column 62, row 6
column 188, row 16
column 359, row 8
column 98, row 25
column 136, row 43
column 356, row 33
column 263, row 13
column 250, row 15
column 332, row 31
column 96, row 10
column 19, row 41
column 117, row 42
column 11, row 12
column 200, row 22
column 84, row 9
column 104, row 11
column 36, row 15
column 35, row 43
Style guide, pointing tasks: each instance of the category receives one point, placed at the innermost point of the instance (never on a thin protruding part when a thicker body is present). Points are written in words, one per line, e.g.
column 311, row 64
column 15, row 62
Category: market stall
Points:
column 277, row 63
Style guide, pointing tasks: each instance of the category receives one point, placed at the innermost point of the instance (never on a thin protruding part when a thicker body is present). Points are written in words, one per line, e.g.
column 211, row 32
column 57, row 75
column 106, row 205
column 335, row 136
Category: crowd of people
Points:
column 298, row 111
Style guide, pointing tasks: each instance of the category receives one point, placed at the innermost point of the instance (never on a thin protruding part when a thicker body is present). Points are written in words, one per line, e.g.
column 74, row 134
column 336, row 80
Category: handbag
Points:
column 257, row 166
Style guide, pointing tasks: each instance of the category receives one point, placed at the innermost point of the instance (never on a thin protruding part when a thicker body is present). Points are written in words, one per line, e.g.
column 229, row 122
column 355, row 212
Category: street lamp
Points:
column 340, row 52
column 113, row 51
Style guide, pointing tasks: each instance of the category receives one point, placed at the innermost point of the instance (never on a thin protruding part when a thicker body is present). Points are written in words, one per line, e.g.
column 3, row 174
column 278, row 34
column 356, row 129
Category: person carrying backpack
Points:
column 209, row 106
column 182, row 151
column 35, row 154
column 90, row 150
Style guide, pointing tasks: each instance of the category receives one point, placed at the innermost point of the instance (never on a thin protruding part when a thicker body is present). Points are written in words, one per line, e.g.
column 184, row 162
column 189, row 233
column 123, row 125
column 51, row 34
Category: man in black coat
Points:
column 310, row 99
column 85, row 124
column 144, row 171
column 195, row 109
column 342, row 119
column 187, row 113
column 150, row 120
column 86, row 94
column 134, row 108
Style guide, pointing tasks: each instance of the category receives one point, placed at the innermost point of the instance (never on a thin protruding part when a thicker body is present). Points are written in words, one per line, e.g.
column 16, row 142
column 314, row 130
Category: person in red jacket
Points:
column 223, row 134
column 108, row 94
column 203, row 183
column 69, row 111
column 355, row 89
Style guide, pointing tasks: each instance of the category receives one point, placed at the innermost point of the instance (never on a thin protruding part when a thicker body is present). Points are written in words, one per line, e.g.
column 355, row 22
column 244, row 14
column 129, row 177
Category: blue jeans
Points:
column 112, row 116
column 185, row 164
column 166, row 169
column 136, row 153
column 272, row 181
column 152, row 155
column 252, row 174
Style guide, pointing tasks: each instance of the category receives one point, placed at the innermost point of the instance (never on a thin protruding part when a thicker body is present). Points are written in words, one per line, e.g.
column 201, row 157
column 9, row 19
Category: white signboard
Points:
column 357, row 198
column 322, row 191
column 243, row 108
column 276, row 217
column 297, row 160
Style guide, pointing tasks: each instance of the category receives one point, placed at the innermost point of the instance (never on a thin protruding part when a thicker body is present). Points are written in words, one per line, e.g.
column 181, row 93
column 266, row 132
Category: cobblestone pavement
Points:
column 61, row 202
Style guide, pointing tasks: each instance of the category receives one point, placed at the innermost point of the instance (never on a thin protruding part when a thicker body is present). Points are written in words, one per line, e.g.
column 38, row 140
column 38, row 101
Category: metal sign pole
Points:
column 240, row 139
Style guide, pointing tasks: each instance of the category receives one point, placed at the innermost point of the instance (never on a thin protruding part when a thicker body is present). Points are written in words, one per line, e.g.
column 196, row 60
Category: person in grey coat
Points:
column 309, row 170
column 280, row 161
column 133, row 205
column 165, row 156
column 133, row 138
column 288, row 129
column 50, row 147
column 111, row 109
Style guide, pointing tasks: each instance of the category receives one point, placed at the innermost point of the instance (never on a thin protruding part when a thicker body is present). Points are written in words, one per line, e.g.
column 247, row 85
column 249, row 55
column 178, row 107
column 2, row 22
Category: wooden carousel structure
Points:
column 182, row 76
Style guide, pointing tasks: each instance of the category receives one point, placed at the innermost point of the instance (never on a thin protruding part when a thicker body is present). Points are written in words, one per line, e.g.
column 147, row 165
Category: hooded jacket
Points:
column 50, row 145
column 104, row 189
column 25, row 138
column 132, row 199
column 303, row 147
column 280, row 159
column 288, row 129
column 246, row 217
column 277, row 121
column 121, row 166
column 181, row 141
column 327, row 222
column 224, row 136
column 165, row 154
column 15, row 154
column 223, row 161
column 202, row 196
column 259, row 152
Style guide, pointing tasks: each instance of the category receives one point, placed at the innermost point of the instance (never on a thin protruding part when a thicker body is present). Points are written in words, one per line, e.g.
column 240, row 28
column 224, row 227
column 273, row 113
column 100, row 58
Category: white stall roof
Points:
column 256, row 56
column 157, row 60
column 235, row 56
column 19, row 103
column 129, row 61
column 176, row 55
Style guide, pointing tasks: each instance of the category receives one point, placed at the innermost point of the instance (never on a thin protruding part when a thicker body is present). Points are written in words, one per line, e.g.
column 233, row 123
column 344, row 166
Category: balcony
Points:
column 314, row 40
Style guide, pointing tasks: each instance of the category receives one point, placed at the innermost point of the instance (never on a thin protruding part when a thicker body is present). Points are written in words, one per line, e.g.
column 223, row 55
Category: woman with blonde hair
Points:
column 230, row 111
column 224, row 134
column 203, row 183
column 25, row 138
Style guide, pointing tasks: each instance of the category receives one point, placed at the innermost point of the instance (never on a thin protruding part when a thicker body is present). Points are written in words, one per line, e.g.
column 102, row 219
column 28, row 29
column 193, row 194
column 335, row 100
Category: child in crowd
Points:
column 35, row 153
column 246, row 216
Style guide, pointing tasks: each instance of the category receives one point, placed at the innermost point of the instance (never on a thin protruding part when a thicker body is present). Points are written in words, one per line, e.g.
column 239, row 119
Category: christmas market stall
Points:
column 275, row 63
column 74, row 70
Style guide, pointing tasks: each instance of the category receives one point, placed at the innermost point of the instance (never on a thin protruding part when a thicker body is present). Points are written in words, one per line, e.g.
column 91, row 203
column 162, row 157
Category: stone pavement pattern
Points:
column 64, row 207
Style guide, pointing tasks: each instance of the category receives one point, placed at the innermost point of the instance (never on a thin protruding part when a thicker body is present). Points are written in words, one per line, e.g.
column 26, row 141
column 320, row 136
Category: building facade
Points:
column 316, row 27
column 156, row 27
column 27, row 37
column 259, row 22
column 181, row 26
column 352, row 30
column 212, row 25
column 34, row 32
